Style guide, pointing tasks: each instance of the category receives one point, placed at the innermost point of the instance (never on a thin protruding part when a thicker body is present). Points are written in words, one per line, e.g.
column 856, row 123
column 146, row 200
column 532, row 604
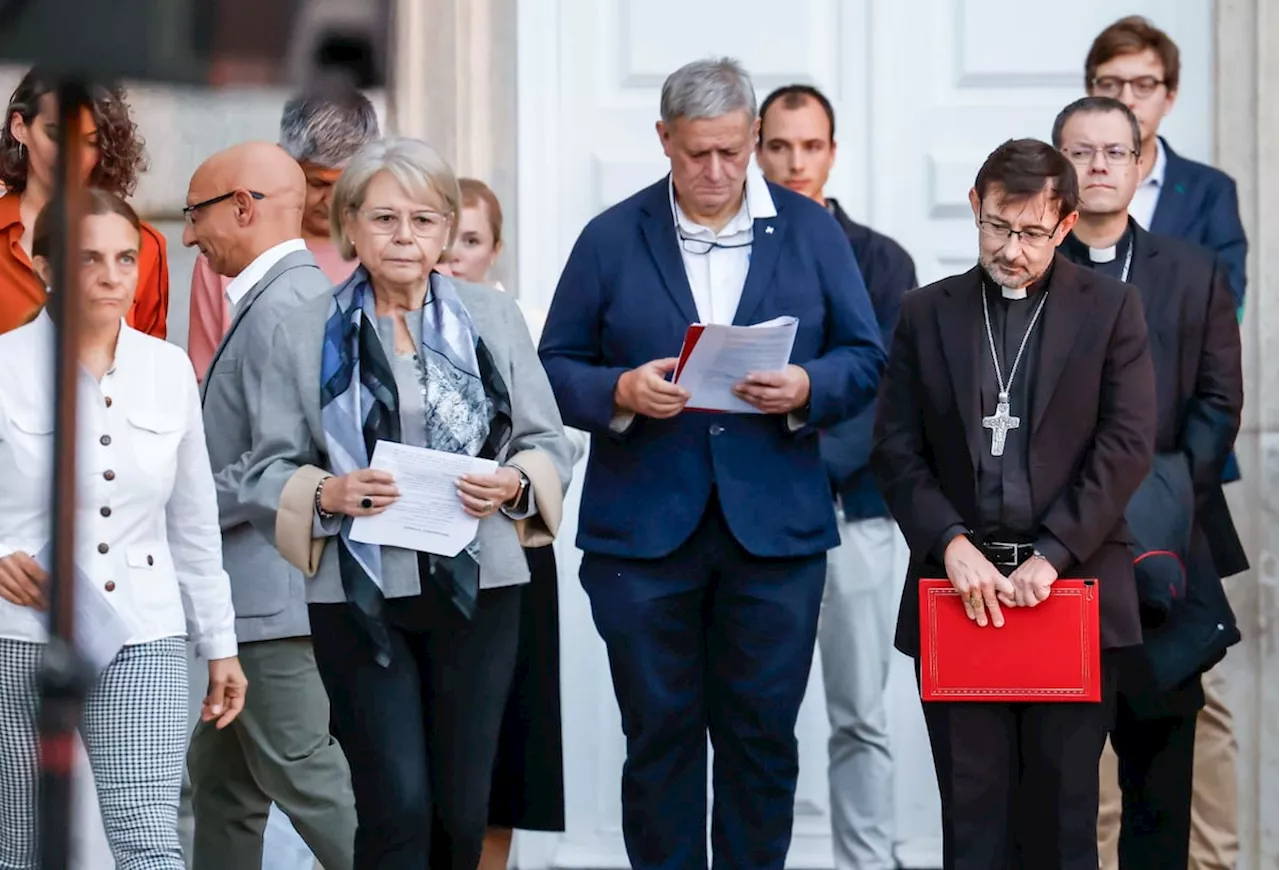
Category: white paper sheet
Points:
column 100, row 631
column 722, row 356
column 428, row 515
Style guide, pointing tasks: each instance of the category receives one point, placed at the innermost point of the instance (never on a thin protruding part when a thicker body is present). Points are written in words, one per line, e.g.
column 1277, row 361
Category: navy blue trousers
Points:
column 708, row 640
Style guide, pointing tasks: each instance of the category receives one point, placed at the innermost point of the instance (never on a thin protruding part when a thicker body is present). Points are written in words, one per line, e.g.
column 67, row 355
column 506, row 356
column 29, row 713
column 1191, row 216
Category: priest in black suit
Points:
column 1015, row 420
column 1195, row 350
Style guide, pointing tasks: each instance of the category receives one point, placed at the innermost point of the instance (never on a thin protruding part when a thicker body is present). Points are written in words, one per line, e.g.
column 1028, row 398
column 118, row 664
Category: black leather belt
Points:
column 1007, row 554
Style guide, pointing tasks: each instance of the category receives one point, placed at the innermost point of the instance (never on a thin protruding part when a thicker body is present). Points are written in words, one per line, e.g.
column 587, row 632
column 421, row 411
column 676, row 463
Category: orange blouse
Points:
column 22, row 293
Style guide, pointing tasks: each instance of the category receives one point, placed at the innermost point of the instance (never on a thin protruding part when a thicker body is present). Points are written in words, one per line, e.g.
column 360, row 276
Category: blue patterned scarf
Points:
column 467, row 409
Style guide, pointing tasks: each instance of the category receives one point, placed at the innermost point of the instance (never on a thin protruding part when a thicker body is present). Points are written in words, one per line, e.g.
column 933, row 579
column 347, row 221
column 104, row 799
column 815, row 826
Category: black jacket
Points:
column 888, row 272
column 1195, row 351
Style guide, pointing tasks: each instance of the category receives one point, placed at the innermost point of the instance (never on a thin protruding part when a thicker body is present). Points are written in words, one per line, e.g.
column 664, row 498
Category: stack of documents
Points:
column 428, row 516
column 716, row 358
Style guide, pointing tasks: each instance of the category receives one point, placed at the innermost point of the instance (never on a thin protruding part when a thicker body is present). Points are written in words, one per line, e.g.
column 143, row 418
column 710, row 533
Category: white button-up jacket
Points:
column 147, row 534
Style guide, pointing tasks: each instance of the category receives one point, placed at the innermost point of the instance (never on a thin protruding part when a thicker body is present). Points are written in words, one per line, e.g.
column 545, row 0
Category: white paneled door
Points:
column 923, row 90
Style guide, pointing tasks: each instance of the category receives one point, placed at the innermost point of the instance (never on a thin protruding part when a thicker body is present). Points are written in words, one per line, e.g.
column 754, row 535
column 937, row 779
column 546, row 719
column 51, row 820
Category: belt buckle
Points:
column 1009, row 561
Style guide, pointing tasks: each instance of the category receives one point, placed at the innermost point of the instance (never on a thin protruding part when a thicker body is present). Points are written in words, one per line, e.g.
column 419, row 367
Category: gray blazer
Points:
column 266, row 591
column 291, row 438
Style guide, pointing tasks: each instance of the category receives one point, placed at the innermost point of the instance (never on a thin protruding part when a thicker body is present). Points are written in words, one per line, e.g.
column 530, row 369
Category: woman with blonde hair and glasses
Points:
column 416, row 650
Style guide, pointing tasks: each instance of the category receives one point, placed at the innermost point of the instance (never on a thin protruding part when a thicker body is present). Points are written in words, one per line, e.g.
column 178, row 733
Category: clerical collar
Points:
column 1016, row 294
column 1083, row 254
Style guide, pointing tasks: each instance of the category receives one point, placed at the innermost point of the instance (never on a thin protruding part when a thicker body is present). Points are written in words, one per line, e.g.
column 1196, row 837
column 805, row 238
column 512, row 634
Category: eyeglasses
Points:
column 1113, row 86
column 1116, row 155
column 1034, row 236
column 189, row 212
column 422, row 224
column 702, row 246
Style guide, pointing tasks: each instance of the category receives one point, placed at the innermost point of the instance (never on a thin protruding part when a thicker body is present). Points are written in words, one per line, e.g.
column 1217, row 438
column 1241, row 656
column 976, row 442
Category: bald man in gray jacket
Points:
column 244, row 212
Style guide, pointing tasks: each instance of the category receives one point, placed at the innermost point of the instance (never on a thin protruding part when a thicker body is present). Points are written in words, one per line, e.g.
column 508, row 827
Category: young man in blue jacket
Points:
column 796, row 149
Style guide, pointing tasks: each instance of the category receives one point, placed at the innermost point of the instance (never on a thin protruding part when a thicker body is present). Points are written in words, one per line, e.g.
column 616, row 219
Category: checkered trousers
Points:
column 135, row 732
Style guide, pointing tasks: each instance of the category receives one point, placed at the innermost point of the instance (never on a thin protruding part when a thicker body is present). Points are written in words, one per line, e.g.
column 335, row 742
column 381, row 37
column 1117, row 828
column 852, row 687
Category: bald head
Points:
column 264, row 191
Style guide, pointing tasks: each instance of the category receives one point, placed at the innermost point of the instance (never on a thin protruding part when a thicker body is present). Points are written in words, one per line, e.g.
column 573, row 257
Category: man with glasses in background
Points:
column 1137, row 63
column 1199, row 390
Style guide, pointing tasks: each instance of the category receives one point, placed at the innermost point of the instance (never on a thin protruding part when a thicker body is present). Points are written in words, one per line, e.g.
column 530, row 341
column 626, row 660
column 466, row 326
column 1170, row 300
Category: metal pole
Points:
column 64, row 678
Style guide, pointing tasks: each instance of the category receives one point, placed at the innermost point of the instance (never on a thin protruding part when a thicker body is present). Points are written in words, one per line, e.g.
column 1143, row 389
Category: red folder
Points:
column 1049, row 652
column 691, row 336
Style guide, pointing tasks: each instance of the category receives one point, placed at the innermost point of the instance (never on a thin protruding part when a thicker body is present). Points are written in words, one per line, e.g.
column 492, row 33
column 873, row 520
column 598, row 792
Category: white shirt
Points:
column 1142, row 208
column 716, row 277
column 147, row 524
column 241, row 284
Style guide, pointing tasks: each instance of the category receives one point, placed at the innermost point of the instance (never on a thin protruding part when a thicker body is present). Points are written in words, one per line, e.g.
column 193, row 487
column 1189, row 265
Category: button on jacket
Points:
column 147, row 525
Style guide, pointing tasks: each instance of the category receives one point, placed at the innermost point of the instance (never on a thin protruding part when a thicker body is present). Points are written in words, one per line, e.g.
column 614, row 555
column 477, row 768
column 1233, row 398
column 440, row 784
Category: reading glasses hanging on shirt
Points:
column 703, row 246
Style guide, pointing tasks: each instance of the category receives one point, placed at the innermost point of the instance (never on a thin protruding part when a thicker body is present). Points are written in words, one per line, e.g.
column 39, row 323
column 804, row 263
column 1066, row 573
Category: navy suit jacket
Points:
column 888, row 271
column 1198, row 204
column 624, row 300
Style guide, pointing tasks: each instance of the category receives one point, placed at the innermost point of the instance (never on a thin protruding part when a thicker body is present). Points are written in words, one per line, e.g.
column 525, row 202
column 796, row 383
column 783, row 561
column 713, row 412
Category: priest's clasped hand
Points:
column 981, row 586
column 1032, row 581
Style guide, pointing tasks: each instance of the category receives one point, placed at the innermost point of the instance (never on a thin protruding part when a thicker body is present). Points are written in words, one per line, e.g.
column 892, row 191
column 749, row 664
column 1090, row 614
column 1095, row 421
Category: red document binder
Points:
column 1045, row 653
column 691, row 336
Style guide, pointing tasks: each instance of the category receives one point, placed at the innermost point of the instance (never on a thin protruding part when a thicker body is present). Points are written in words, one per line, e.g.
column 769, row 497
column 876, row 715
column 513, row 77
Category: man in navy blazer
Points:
column 1138, row 64
column 705, row 534
column 1135, row 62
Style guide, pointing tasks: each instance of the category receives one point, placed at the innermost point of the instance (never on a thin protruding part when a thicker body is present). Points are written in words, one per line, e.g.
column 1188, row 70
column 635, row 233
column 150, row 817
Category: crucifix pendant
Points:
column 1000, row 423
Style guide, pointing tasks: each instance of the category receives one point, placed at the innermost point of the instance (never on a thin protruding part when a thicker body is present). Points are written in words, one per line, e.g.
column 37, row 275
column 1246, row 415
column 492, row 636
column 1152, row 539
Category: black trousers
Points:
column 421, row 733
column 1156, row 758
column 1019, row 782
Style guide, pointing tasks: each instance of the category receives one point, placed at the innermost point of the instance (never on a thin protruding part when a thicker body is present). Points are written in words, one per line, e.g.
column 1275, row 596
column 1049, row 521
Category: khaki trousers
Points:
column 1215, row 838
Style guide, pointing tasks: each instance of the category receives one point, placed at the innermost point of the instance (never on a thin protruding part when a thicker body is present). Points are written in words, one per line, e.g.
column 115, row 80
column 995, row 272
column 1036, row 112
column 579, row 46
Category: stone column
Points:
column 455, row 87
column 1247, row 96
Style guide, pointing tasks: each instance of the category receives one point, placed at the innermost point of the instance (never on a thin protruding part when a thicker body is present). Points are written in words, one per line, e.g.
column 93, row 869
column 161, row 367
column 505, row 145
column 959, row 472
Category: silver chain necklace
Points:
column 1002, row 422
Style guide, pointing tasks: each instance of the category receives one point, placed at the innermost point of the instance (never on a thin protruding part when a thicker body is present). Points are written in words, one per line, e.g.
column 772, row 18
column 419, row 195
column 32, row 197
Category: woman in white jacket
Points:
column 148, row 549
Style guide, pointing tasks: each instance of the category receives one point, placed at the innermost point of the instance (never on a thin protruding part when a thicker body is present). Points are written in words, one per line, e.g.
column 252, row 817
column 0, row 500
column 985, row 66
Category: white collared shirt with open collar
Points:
column 716, row 278
column 241, row 284
column 1142, row 208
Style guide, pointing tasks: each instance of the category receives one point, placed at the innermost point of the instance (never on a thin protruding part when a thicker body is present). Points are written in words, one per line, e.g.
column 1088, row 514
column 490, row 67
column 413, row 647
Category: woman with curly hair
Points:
column 114, row 157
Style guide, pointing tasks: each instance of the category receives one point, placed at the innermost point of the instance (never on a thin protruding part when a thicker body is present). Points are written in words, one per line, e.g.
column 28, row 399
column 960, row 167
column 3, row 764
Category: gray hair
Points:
column 417, row 167
column 707, row 89
column 327, row 130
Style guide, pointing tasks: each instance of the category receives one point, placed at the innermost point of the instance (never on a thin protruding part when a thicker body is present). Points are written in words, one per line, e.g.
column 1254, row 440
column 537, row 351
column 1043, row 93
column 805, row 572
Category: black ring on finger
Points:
column 366, row 502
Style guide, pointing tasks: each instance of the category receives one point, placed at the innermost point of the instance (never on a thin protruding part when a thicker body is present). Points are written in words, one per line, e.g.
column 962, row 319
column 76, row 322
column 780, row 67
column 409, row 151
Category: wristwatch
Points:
column 524, row 484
